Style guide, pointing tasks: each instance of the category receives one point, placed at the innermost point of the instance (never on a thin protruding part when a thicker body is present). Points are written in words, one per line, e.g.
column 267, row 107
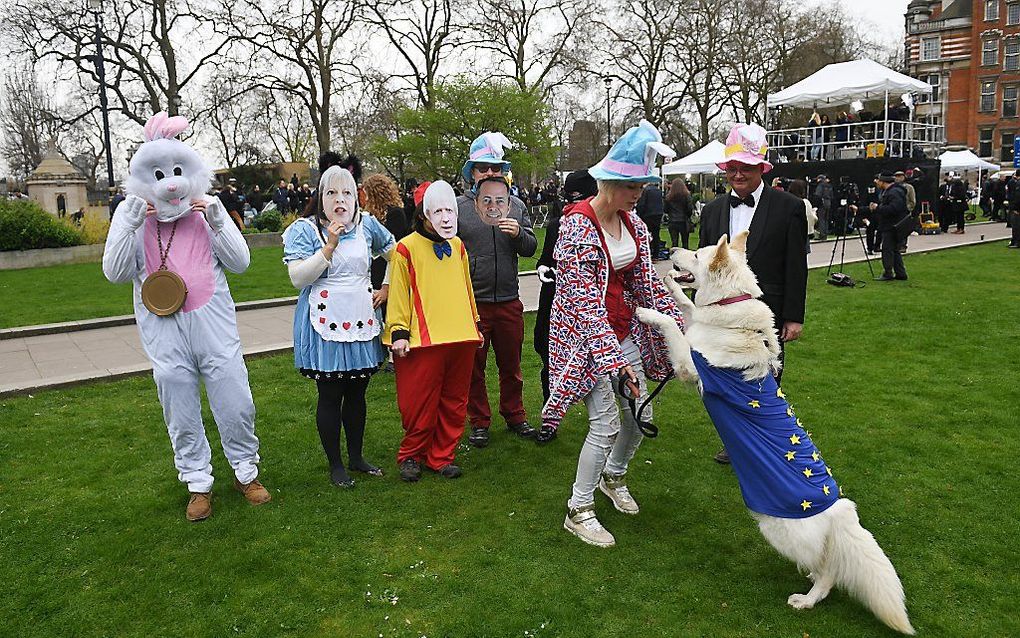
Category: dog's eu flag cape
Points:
column 780, row 471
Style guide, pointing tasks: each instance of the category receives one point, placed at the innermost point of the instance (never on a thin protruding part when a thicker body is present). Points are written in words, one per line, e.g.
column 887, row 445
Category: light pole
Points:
column 609, row 123
column 96, row 8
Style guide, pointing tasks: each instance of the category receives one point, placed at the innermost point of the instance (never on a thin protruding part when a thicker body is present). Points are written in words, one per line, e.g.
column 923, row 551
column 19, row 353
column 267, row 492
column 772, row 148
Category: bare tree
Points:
column 423, row 34
column 540, row 44
column 639, row 44
column 27, row 121
column 702, row 51
column 284, row 122
column 148, row 66
column 231, row 110
column 305, row 48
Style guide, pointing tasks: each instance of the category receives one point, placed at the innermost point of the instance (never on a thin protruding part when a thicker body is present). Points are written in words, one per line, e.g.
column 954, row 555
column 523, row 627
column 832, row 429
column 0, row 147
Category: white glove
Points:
column 546, row 274
column 132, row 211
column 216, row 214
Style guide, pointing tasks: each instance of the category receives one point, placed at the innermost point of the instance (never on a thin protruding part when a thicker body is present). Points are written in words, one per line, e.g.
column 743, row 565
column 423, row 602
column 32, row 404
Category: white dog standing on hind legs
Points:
column 730, row 349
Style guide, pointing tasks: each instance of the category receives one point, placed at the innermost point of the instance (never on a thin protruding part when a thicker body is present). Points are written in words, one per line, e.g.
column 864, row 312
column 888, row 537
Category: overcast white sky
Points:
column 887, row 16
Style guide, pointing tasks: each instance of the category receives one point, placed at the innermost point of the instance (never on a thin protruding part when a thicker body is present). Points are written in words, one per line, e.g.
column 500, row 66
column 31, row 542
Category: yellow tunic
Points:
column 430, row 297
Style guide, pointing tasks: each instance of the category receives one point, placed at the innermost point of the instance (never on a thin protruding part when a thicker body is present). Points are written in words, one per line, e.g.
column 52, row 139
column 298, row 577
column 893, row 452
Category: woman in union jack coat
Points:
column 596, row 344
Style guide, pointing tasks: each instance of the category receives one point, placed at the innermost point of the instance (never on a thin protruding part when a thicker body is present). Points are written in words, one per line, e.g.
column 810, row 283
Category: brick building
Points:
column 969, row 50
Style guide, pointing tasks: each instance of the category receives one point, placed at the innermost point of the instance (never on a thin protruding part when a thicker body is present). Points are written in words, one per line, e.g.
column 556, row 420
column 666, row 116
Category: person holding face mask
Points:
column 597, row 347
column 336, row 329
column 432, row 329
column 496, row 230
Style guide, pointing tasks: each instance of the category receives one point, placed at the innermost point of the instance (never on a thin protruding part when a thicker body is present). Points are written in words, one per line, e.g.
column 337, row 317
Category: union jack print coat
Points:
column 582, row 345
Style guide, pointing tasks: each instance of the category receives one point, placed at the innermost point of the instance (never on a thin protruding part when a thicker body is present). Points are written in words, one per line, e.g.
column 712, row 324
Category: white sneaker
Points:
column 582, row 523
column 615, row 487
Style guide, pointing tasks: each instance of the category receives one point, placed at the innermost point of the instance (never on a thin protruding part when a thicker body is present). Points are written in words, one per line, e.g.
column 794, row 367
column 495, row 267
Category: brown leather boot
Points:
column 199, row 506
column 254, row 492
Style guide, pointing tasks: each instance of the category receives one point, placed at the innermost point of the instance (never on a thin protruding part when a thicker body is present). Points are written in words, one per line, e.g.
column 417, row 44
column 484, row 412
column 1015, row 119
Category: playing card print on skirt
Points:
column 323, row 346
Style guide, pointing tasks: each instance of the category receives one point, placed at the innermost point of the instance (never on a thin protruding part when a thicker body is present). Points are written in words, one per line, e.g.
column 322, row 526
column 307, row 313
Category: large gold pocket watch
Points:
column 164, row 292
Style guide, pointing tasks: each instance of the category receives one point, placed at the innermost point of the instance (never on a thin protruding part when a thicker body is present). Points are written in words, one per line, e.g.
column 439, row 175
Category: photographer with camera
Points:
column 842, row 220
column 893, row 221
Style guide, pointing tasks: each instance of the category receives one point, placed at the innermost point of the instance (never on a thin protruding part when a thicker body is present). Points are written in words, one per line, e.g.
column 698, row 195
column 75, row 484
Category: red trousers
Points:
column 432, row 387
column 502, row 325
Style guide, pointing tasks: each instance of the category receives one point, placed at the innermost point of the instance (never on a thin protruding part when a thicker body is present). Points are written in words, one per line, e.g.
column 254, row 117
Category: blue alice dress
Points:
column 336, row 329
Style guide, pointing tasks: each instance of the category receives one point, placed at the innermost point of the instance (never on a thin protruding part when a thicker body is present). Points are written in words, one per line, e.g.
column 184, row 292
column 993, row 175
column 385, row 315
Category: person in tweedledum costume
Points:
column 175, row 244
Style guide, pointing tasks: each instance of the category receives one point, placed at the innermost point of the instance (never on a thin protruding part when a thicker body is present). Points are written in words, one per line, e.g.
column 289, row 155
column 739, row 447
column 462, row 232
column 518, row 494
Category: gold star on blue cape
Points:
column 759, row 439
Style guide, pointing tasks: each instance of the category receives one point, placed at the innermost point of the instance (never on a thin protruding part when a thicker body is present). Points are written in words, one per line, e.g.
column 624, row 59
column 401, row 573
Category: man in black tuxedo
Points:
column 776, row 246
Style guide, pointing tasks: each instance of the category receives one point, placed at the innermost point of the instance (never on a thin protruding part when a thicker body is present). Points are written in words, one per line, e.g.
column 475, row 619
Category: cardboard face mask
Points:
column 492, row 201
column 440, row 204
column 339, row 195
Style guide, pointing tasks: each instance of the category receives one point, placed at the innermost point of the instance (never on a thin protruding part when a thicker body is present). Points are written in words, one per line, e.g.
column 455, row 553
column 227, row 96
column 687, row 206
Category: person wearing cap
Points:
column 894, row 222
column 578, row 186
column 431, row 327
column 776, row 250
column 496, row 233
column 901, row 179
column 597, row 347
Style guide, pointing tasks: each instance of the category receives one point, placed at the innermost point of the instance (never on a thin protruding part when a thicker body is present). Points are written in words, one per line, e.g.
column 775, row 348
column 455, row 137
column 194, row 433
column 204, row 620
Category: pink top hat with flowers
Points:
column 746, row 144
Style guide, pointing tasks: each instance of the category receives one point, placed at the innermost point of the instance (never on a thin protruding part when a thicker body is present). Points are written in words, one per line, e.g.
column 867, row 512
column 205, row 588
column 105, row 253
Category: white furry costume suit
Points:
column 199, row 341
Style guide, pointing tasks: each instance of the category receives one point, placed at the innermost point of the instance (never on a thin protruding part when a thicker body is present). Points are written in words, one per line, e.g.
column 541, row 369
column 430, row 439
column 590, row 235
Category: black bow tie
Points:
column 747, row 201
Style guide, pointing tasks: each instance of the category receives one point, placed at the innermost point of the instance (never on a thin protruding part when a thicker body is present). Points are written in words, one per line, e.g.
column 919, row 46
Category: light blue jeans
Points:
column 609, row 445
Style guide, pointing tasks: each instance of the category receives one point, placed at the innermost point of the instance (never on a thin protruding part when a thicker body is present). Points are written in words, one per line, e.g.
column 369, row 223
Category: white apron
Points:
column 340, row 306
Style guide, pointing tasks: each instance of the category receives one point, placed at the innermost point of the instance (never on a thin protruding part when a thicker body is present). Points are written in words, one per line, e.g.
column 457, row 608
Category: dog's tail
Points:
column 861, row 568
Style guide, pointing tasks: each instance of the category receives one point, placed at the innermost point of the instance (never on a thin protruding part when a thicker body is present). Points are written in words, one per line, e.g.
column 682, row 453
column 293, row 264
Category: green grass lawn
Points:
column 909, row 391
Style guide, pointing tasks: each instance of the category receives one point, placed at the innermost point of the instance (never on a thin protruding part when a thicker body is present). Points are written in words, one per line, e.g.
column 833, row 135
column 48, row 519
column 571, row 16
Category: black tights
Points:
column 342, row 402
column 675, row 234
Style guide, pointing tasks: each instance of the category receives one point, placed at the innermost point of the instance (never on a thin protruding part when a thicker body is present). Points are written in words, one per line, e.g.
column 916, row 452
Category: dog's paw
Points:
column 800, row 601
column 649, row 317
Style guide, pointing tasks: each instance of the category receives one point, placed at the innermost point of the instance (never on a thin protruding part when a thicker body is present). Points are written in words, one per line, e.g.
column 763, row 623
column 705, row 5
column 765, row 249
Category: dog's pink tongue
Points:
column 175, row 201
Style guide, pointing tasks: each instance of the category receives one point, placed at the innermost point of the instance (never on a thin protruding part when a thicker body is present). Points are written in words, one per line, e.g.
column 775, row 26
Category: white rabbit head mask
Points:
column 165, row 171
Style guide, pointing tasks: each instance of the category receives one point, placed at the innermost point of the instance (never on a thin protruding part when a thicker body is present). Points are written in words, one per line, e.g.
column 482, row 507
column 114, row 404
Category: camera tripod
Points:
column 840, row 245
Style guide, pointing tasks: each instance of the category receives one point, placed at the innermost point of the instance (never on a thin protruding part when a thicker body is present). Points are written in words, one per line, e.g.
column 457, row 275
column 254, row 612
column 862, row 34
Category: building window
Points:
column 990, row 52
column 985, row 142
column 1006, row 150
column 987, row 96
column 930, row 49
column 1009, row 95
column 1013, row 13
column 991, row 10
column 1012, row 60
column 934, row 80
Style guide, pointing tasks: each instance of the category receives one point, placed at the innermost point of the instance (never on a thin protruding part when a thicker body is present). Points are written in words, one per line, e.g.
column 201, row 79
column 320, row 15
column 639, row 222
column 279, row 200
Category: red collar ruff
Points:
column 728, row 300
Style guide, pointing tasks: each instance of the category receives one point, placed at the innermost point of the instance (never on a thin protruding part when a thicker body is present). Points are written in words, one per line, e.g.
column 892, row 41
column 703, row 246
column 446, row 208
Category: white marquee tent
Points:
column 703, row 160
column 844, row 82
column 964, row 160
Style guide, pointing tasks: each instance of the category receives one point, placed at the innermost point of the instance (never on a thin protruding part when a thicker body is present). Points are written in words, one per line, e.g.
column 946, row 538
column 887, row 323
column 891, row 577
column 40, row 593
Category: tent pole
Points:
column 886, row 129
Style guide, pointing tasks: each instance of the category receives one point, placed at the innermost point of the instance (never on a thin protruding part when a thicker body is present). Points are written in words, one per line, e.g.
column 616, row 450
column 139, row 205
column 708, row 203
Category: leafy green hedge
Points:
column 268, row 221
column 25, row 226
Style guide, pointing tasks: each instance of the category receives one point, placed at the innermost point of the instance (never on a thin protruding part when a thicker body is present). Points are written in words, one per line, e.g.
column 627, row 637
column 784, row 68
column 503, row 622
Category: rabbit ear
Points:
column 173, row 127
column 161, row 126
column 153, row 125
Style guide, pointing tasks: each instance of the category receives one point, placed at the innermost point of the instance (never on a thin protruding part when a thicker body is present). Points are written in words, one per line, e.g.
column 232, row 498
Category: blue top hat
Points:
column 632, row 158
column 487, row 149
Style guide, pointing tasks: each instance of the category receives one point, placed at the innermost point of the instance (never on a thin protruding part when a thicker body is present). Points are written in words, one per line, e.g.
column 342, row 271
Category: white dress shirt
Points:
column 740, row 216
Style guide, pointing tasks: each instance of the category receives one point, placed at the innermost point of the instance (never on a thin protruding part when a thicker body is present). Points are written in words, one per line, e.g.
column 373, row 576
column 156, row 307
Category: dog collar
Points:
column 728, row 300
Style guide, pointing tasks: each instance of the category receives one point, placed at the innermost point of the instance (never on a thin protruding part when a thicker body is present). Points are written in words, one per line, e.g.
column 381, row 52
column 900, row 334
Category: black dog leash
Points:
column 647, row 428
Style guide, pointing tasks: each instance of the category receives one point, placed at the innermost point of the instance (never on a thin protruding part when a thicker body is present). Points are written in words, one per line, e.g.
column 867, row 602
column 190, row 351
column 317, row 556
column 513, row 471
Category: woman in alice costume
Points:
column 336, row 327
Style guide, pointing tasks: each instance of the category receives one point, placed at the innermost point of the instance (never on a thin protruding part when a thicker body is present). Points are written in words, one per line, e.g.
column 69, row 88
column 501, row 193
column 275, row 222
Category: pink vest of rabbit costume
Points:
column 582, row 344
column 198, row 344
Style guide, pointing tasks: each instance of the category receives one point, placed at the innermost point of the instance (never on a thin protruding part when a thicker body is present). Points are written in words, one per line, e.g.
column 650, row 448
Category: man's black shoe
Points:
column 450, row 471
column 479, row 437
column 410, row 470
column 901, row 278
column 885, row 278
column 722, row 457
column 522, row 429
column 545, row 435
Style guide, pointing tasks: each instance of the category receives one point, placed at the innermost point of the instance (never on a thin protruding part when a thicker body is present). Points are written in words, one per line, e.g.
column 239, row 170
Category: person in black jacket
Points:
column 776, row 246
column 952, row 203
column 256, row 199
column 578, row 186
column 679, row 209
column 650, row 208
column 893, row 222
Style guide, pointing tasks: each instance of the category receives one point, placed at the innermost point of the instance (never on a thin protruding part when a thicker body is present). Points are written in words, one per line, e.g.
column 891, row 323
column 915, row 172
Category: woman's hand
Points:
column 333, row 232
column 380, row 296
column 400, row 348
column 199, row 205
column 629, row 379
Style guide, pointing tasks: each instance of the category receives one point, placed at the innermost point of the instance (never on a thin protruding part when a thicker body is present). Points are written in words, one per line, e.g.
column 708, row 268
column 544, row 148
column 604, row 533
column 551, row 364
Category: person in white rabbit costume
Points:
column 173, row 242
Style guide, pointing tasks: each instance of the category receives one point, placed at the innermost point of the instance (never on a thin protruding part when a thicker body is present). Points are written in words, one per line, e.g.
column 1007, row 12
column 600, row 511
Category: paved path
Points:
column 77, row 355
